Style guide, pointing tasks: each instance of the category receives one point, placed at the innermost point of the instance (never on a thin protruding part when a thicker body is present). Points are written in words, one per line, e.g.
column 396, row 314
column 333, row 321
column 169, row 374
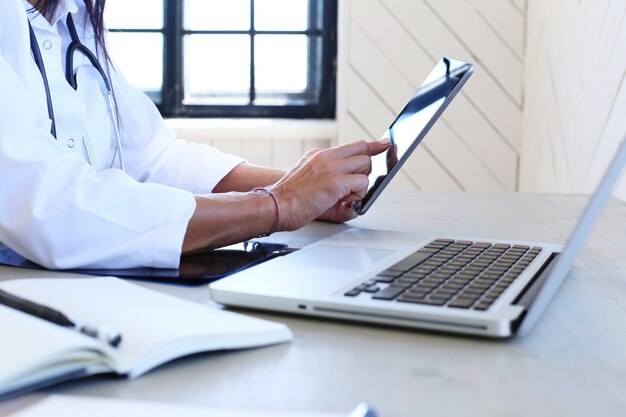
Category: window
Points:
column 228, row 58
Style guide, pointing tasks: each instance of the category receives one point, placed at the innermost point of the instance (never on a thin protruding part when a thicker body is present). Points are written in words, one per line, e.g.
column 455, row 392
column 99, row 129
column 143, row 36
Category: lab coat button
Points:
column 47, row 44
column 70, row 143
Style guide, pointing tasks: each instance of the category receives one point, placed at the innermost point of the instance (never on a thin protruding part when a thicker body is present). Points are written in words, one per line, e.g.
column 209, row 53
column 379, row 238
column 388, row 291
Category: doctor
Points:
column 84, row 186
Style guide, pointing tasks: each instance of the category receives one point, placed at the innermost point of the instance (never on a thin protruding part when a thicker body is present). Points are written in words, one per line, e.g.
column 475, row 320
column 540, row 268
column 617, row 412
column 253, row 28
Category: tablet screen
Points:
column 412, row 124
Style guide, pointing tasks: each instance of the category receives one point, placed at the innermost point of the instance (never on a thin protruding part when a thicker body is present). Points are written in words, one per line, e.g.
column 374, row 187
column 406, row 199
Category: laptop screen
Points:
column 412, row 124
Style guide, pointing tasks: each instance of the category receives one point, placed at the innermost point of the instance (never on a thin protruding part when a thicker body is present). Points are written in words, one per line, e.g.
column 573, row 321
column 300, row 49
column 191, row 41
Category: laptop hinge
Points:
column 527, row 296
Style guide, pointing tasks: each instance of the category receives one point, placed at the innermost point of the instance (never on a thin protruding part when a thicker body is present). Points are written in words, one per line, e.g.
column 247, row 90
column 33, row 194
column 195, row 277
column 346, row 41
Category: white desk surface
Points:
column 572, row 364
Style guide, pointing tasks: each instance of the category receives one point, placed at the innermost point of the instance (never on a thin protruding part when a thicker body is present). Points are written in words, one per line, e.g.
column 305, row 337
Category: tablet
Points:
column 412, row 124
column 199, row 268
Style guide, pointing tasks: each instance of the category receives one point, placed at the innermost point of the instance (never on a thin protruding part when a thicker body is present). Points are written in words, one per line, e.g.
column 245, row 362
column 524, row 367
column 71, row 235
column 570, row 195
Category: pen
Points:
column 363, row 410
column 102, row 333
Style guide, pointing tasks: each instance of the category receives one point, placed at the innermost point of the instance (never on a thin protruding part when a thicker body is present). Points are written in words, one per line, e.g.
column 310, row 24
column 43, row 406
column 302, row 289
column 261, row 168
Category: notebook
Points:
column 155, row 328
column 459, row 284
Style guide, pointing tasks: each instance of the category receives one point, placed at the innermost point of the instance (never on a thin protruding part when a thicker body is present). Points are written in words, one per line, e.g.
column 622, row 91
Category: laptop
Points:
column 466, row 285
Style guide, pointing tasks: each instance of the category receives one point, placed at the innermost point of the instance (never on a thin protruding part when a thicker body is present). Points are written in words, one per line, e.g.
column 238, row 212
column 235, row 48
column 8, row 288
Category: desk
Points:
column 573, row 363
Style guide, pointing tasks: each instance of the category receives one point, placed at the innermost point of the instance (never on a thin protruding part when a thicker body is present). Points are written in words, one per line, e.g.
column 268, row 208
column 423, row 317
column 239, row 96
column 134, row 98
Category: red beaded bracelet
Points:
column 275, row 199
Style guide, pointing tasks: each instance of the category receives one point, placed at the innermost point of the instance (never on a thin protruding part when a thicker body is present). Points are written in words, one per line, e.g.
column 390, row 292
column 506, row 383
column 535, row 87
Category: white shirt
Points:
column 54, row 209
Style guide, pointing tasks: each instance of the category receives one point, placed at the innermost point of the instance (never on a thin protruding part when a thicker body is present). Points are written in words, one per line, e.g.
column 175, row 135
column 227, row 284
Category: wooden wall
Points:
column 386, row 49
column 575, row 113
column 544, row 111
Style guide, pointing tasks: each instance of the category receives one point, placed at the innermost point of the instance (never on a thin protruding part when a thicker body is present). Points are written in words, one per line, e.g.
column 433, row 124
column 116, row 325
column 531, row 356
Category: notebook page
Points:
column 33, row 351
column 155, row 327
column 69, row 406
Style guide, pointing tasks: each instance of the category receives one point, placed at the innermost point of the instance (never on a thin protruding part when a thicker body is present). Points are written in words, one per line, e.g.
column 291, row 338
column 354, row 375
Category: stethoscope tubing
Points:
column 34, row 46
column 76, row 45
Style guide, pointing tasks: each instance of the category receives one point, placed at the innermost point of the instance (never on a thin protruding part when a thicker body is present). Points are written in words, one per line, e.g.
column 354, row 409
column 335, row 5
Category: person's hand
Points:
column 323, row 183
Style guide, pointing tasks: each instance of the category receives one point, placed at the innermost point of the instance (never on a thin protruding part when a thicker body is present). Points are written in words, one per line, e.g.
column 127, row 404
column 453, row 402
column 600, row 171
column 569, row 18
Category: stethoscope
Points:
column 77, row 46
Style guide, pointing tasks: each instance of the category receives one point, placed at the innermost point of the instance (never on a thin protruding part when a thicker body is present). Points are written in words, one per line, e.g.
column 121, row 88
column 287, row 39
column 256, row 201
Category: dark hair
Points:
column 95, row 12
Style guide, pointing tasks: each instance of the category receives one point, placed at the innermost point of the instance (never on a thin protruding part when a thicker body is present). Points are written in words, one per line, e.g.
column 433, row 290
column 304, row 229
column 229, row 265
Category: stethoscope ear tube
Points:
column 34, row 47
column 74, row 46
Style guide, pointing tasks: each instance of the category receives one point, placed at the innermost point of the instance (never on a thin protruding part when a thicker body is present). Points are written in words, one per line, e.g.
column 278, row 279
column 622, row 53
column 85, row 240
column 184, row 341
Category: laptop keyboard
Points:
column 453, row 273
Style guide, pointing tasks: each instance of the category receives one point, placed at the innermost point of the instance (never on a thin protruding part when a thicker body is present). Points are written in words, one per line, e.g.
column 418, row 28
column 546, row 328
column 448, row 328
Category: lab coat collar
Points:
column 37, row 20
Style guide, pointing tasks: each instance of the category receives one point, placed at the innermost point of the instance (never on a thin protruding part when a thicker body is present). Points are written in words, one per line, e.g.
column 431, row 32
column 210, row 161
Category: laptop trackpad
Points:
column 315, row 271
column 341, row 257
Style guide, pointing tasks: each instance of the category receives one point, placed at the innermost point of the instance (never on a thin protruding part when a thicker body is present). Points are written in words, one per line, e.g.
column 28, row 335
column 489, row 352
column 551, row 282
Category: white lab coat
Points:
column 54, row 210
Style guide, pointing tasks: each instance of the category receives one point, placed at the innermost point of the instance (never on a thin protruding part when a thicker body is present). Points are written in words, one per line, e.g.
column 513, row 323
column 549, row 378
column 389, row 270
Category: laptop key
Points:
column 425, row 286
column 501, row 246
column 427, row 249
column 439, row 300
column 445, row 292
column 455, row 288
column 407, row 280
column 435, row 244
column 384, row 279
column 389, row 274
column 388, row 293
column 410, row 262
column 482, row 306
column 468, row 273
column 416, row 294
column 371, row 288
column 404, row 286
column 471, row 292
column 462, row 303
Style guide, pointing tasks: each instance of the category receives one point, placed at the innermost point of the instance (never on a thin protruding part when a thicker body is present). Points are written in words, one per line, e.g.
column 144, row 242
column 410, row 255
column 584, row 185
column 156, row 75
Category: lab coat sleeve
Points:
column 152, row 151
column 55, row 211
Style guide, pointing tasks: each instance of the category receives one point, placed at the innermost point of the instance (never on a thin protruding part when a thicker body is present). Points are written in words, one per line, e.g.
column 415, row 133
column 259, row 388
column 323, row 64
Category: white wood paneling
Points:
column 575, row 114
column 506, row 21
column 258, row 152
column 387, row 47
column 268, row 142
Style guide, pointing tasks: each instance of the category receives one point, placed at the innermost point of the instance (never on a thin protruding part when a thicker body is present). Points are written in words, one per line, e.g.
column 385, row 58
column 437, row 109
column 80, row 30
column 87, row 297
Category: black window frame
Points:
column 321, row 77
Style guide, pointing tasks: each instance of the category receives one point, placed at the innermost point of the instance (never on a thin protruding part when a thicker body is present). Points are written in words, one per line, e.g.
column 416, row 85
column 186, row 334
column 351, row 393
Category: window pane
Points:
column 281, row 63
column 281, row 14
column 217, row 14
column 217, row 69
column 140, row 57
column 134, row 14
